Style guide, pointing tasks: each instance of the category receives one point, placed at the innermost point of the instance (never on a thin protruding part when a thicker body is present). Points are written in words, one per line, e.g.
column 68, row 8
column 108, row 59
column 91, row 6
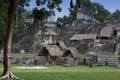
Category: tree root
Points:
column 9, row 76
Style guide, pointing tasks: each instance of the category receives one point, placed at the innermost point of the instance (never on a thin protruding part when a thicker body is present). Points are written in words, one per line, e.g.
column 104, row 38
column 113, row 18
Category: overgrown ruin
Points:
column 86, row 34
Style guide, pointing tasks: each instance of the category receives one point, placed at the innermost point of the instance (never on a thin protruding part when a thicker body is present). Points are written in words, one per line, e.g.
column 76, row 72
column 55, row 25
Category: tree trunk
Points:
column 8, row 40
column 34, row 31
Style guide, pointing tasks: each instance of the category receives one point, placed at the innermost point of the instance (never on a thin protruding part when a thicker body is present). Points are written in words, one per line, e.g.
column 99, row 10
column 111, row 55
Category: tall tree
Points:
column 71, row 4
column 102, row 13
column 7, row 46
column 116, row 14
column 78, row 3
column 39, row 16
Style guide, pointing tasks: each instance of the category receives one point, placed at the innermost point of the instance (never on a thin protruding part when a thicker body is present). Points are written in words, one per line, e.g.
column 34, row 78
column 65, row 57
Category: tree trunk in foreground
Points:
column 8, row 40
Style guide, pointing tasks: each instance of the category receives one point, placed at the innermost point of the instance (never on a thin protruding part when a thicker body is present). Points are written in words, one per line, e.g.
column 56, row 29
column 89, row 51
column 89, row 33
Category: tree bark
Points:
column 8, row 40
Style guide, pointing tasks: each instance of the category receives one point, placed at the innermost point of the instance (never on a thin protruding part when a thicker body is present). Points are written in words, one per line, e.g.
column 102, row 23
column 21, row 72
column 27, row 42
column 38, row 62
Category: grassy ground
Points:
column 68, row 73
column 26, row 54
column 85, row 55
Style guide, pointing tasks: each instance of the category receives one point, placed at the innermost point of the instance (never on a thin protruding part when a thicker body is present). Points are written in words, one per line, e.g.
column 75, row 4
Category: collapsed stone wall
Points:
column 41, row 60
column 66, row 61
column 26, row 60
column 102, row 61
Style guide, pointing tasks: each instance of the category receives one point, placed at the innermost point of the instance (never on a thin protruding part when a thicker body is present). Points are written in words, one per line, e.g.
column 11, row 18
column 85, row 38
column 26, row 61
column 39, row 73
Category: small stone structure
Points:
column 108, row 41
column 85, row 42
column 52, row 52
column 71, row 52
column 81, row 14
column 106, row 32
column 117, row 31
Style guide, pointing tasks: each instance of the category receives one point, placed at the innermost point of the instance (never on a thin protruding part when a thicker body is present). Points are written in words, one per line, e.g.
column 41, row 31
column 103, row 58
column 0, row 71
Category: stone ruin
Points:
column 94, row 37
column 103, row 42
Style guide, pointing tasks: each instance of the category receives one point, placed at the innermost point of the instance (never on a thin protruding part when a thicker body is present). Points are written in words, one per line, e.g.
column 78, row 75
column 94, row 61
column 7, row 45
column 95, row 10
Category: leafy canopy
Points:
column 3, row 20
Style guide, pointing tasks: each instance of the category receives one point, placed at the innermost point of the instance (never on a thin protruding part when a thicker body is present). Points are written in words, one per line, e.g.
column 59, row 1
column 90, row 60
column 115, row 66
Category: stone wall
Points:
column 108, row 61
column 26, row 60
column 41, row 60
column 106, row 48
column 101, row 61
column 66, row 61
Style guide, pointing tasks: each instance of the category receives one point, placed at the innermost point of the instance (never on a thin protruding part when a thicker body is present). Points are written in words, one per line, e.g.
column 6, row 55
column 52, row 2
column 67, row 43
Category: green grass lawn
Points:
column 85, row 55
column 68, row 73
column 18, row 54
